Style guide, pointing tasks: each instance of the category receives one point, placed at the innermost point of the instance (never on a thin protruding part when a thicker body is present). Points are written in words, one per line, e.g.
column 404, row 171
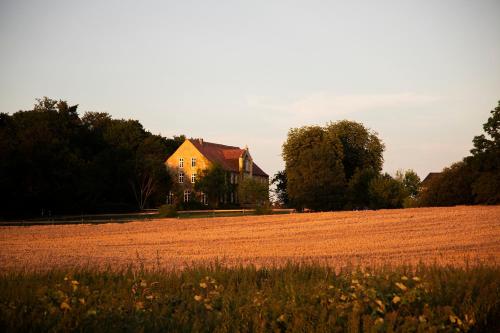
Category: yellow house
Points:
column 195, row 155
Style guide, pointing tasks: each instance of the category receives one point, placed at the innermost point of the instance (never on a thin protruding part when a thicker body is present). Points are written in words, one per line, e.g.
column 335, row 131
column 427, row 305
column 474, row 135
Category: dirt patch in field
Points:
column 406, row 236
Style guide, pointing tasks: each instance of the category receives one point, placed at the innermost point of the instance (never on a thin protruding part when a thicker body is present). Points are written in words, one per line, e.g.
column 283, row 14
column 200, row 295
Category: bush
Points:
column 292, row 298
column 167, row 211
column 263, row 209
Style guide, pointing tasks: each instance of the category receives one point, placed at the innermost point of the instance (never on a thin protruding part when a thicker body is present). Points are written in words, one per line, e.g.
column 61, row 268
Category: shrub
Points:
column 263, row 209
column 167, row 211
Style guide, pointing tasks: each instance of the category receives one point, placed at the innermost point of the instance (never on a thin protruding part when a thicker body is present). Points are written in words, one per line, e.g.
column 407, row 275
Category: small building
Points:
column 428, row 179
column 195, row 155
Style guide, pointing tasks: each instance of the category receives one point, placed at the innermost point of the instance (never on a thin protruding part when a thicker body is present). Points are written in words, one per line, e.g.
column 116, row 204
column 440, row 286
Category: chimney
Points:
column 200, row 140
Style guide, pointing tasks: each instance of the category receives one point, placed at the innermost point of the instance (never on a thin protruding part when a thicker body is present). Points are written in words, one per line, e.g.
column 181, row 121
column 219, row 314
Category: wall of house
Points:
column 187, row 151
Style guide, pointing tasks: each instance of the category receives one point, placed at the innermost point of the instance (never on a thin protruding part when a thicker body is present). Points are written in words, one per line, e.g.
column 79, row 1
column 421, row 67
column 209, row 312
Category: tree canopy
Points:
column 53, row 161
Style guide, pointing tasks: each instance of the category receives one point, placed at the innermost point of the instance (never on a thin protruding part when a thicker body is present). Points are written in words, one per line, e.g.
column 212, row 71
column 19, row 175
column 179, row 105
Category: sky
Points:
column 422, row 74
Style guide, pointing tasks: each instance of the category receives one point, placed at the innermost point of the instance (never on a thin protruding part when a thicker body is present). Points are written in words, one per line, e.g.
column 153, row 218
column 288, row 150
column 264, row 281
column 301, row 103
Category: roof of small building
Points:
column 429, row 178
column 226, row 156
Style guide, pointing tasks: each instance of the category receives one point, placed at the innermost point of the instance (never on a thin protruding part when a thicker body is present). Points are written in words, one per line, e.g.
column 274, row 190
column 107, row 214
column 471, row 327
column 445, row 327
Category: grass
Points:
column 291, row 298
column 120, row 218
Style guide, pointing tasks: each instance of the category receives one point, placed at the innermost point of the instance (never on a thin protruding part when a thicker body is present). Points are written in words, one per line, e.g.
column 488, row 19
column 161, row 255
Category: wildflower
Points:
column 65, row 306
column 139, row 305
column 281, row 318
column 401, row 286
column 381, row 305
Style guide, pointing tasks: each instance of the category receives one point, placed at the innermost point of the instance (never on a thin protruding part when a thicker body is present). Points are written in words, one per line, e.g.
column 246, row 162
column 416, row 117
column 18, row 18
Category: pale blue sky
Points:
column 423, row 74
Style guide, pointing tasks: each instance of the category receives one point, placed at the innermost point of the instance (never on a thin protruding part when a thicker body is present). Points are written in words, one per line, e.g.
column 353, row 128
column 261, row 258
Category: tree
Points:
column 252, row 192
column 452, row 187
column 361, row 147
column 151, row 176
column 410, row 181
column 483, row 144
column 313, row 165
column 358, row 196
column 386, row 192
column 486, row 161
column 213, row 182
column 54, row 162
column 280, row 182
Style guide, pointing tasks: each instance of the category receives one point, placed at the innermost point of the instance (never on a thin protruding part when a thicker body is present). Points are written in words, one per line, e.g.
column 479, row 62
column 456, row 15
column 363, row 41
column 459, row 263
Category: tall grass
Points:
column 292, row 298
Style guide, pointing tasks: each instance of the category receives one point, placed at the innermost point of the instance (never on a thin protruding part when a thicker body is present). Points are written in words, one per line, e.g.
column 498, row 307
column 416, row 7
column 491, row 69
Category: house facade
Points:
column 187, row 163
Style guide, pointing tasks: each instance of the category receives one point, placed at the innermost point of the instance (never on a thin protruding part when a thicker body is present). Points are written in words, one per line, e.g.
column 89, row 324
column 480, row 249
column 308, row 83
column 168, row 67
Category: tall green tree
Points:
column 362, row 148
column 251, row 191
column 280, row 182
column 313, row 164
column 214, row 183
column 386, row 192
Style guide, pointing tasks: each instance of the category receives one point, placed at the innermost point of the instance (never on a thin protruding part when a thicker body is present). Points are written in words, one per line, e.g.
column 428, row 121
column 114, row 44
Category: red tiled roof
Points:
column 226, row 156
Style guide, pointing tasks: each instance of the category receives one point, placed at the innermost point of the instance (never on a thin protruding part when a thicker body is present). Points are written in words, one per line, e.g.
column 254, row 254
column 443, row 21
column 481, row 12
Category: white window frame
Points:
column 193, row 177
column 181, row 177
column 193, row 162
column 187, row 195
column 181, row 162
column 170, row 198
column 204, row 198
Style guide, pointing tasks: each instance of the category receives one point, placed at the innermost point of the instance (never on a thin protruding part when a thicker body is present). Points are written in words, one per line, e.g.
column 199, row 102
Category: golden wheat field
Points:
column 405, row 236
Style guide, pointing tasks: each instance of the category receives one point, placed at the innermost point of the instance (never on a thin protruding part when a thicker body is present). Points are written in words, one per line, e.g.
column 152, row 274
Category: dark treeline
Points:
column 475, row 179
column 52, row 161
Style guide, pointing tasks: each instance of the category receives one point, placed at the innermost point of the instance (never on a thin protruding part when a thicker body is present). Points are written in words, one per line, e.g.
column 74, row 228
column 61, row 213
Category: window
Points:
column 187, row 194
column 193, row 177
column 181, row 162
column 181, row 177
column 204, row 198
column 170, row 198
column 193, row 162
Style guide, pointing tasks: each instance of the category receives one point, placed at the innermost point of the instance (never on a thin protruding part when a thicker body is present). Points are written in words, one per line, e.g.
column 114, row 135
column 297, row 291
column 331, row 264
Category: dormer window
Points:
column 193, row 162
column 181, row 162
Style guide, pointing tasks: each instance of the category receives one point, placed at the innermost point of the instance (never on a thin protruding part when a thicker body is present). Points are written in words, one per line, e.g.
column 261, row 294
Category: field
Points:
column 442, row 236
column 412, row 270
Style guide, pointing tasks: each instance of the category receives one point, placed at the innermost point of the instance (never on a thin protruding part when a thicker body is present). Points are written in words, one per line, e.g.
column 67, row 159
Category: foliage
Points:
column 474, row 180
column 213, row 182
column 361, row 147
column 386, row 192
column 313, row 159
column 453, row 186
column 280, row 182
column 263, row 208
column 410, row 181
column 358, row 196
column 298, row 298
column 251, row 191
column 331, row 167
column 54, row 162
column 167, row 211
